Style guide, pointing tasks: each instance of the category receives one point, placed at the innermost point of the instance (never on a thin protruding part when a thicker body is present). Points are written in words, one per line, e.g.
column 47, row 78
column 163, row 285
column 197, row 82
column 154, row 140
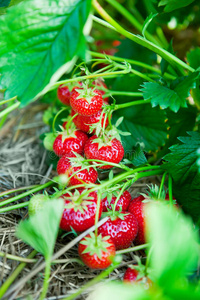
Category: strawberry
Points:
column 122, row 228
column 106, row 150
column 86, row 101
column 136, row 207
column 134, row 276
column 84, row 122
column 64, row 94
column 67, row 142
column 70, row 164
column 96, row 252
column 122, row 203
column 79, row 213
column 36, row 203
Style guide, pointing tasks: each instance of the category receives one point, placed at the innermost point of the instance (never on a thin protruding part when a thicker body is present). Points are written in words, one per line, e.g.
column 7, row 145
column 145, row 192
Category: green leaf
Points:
column 146, row 125
column 4, row 3
column 40, row 230
column 137, row 158
column 174, row 242
column 147, row 22
column 181, row 165
column 193, row 57
column 164, row 64
column 174, row 97
column 174, row 4
column 44, row 36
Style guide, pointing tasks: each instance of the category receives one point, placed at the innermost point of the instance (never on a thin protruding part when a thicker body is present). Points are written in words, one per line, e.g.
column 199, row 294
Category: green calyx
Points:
column 95, row 244
column 114, row 214
column 86, row 93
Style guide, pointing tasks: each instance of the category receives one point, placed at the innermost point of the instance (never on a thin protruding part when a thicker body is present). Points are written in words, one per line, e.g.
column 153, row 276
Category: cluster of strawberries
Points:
column 85, row 145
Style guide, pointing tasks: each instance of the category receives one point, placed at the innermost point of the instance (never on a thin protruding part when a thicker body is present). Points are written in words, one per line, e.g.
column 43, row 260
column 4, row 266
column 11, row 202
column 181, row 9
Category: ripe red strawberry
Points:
column 74, row 141
column 70, row 164
column 136, row 207
column 122, row 203
column 134, row 276
column 84, row 122
column 122, row 229
column 96, row 253
column 78, row 213
column 64, row 94
column 111, row 150
column 86, row 101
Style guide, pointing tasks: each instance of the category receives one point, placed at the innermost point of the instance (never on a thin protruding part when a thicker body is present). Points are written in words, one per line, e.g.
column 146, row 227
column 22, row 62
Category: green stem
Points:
column 170, row 190
column 14, row 275
column 13, row 207
column 17, row 190
column 58, row 113
column 9, row 109
column 18, row 197
column 96, row 279
column 119, row 195
column 17, row 258
column 173, row 60
column 122, row 93
column 132, row 103
column 132, row 249
column 46, row 279
column 162, row 184
column 106, row 74
column 6, row 101
column 97, row 215
column 133, row 20
column 70, row 122
column 132, row 62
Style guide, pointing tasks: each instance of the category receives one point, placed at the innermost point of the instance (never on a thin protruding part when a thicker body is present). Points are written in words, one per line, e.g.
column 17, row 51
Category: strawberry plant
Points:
column 121, row 96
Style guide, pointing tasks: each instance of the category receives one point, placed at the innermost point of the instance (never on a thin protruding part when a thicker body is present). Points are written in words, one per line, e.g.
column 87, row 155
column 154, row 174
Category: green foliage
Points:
column 146, row 125
column 40, row 230
column 137, row 157
column 181, row 165
column 193, row 57
column 173, row 97
column 171, row 5
column 175, row 249
column 44, row 36
column 4, row 3
column 147, row 22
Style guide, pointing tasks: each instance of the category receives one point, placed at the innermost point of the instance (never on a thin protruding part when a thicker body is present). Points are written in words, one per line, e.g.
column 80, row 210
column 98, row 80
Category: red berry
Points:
column 122, row 230
column 86, row 102
column 122, row 203
column 112, row 151
column 136, row 207
column 69, row 166
column 79, row 214
column 64, row 94
column 130, row 275
column 84, row 122
column 64, row 143
column 96, row 253
column 133, row 276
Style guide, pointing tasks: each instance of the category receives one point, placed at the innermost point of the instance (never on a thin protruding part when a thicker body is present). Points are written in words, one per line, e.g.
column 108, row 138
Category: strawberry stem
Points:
column 172, row 59
column 97, row 215
column 161, row 185
column 58, row 113
column 132, row 103
column 46, row 278
column 170, row 190
column 18, row 197
column 13, row 207
column 98, row 278
column 119, row 195
column 70, row 122
column 132, row 249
